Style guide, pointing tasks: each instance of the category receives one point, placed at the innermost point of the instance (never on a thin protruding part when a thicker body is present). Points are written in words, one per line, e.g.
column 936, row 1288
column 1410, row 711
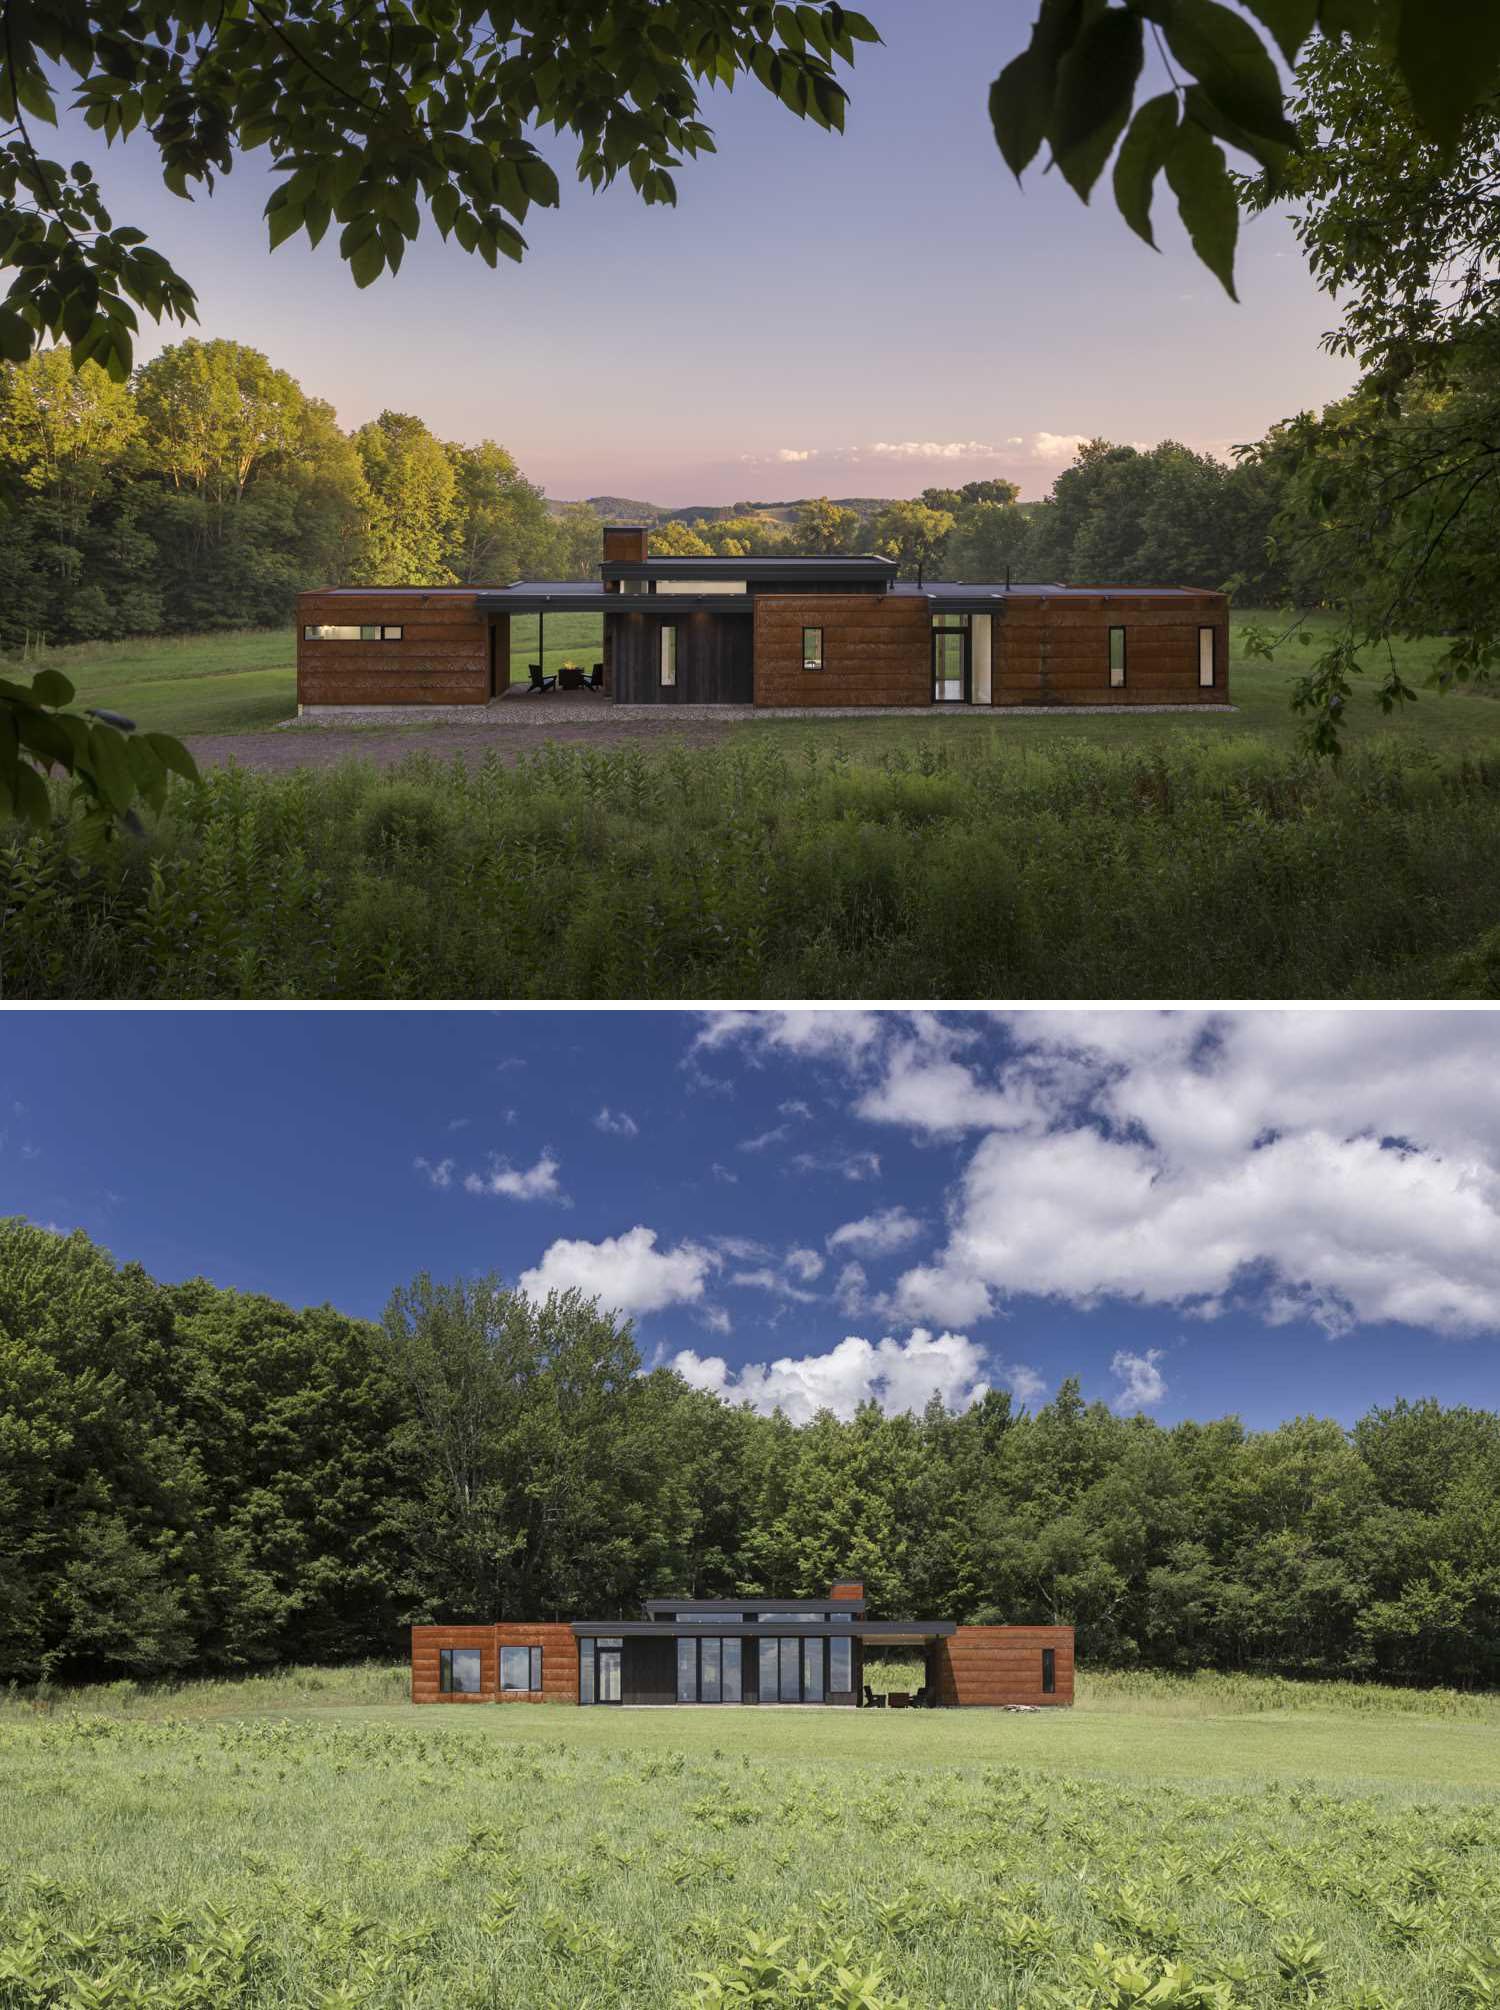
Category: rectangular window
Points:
column 1206, row 665
column 691, row 586
column 1049, row 1660
column 458, row 1671
column 732, row 1692
column 791, row 1671
column 709, row 1663
column 585, row 1671
column 668, row 655
column 812, row 648
column 1116, row 657
column 687, row 1671
column 516, row 1667
column 840, row 1666
column 812, row 1670
column 368, row 633
column 768, row 1665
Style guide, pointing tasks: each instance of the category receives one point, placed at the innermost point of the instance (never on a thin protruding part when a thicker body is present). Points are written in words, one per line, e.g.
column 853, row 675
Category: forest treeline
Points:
column 209, row 489
column 195, row 1479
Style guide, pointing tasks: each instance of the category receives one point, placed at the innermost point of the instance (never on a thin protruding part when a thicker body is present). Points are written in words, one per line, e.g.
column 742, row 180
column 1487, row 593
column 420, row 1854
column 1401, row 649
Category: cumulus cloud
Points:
column 1342, row 1169
column 439, row 1171
column 617, row 1123
column 805, row 1264
column 1142, row 1384
column 806, row 1035
column 626, row 1273
column 877, row 1234
column 897, row 1374
column 538, row 1182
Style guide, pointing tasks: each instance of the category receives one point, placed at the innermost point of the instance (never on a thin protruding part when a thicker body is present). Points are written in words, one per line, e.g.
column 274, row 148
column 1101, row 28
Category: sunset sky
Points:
column 859, row 315
column 1269, row 1213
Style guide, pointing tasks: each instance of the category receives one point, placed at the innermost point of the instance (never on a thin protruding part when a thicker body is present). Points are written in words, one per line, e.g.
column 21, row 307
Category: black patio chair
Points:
column 538, row 681
column 869, row 1697
column 596, row 680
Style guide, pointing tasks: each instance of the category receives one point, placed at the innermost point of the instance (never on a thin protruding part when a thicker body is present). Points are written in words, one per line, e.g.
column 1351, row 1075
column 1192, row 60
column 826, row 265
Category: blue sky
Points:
column 850, row 301
column 1270, row 1213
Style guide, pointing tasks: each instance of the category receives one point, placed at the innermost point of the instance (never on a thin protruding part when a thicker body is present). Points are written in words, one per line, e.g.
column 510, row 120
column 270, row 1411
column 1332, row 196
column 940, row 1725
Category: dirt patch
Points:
column 326, row 746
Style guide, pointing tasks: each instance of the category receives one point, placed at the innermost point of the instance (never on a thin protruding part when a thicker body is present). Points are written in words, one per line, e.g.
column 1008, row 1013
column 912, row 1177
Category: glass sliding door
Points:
column 687, row 1671
column 732, row 1692
column 769, row 1682
column 812, row 1671
column 609, row 1674
column 791, row 1671
column 708, row 1681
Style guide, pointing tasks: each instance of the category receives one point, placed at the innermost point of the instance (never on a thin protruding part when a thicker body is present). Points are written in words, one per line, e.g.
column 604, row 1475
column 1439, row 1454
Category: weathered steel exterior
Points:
column 442, row 658
column 877, row 650
column 1054, row 649
column 1003, row 1664
column 559, row 1661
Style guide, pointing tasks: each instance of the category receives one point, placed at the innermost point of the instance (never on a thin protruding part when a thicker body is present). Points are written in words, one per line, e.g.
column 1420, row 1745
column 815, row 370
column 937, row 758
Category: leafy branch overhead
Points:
column 368, row 115
column 1074, row 88
column 111, row 765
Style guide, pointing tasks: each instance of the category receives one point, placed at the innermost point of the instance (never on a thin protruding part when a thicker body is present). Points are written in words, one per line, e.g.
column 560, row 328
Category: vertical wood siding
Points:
column 714, row 661
column 1003, row 1664
column 443, row 657
column 877, row 650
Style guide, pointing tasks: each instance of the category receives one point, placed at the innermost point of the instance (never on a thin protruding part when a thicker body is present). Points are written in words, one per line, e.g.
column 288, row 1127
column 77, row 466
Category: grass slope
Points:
column 350, row 1850
column 234, row 682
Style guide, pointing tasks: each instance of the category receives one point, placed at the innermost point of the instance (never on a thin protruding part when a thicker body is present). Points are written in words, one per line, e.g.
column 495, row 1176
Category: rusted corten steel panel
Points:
column 877, row 649
column 1003, row 1664
column 427, row 1643
column 559, row 1661
column 847, row 1587
column 442, row 658
column 624, row 544
column 1056, row 652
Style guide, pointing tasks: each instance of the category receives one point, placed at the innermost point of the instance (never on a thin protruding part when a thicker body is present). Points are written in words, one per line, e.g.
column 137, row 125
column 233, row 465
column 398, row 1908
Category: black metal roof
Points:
column 768, row 1629
column 582, row 596
column 859, row 565
column 758, row 1601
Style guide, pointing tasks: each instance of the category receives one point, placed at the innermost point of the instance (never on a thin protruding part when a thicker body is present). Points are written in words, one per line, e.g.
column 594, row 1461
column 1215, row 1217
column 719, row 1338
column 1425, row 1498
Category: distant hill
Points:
column 633, row 510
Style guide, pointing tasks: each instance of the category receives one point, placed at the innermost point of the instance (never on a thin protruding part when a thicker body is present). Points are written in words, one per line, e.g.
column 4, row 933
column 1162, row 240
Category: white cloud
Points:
column 763, row 1140
column 1338, row 1168
column 855, row 1166
column 795, row 453
column 932, row 1093
column 1024, row 1383
column 627, row 1273
column 775, row 1281
column 796, row 1109
column 897, row 1374
column 1057, row 447
column 806, row 1035
column 933, row 450
column 849, row 1291
column 538, row 1182
column 804, row 1264
column 439, row 1172
column 616, row 1123
column 459, row 1123
column 715, row 1318
column 1142, row 1384
column 877, row 1234
column 723, row 1175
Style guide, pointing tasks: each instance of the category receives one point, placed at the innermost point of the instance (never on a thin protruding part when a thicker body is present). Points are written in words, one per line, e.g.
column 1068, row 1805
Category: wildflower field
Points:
column 312, row 1842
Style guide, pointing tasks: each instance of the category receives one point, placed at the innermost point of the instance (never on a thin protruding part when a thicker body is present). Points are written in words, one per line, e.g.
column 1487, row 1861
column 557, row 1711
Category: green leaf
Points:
column 1095, row 90
column 172, row 754
column 16, row 337
column 1359, row 18
column 1231, row 63
column 368, row 262
column 1143, row 154
column 1021, row 96
column 1205, row 199
column 110, row 765
column 1448, row 52
column 149, row 771
column 284, row 221
column 50, row 687
column 29, row 791
column 1271, row 154
column 45, row 737
column 1290, row 21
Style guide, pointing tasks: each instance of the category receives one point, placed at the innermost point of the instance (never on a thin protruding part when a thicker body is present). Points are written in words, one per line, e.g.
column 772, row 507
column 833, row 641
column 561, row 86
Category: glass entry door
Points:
column 609, row 1674
column 950, row 666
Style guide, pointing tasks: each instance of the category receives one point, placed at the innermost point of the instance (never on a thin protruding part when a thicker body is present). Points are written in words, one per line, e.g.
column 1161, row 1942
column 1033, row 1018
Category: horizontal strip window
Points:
column 1207, row 659
column 379, row 633
column 1116, row 658
column 700, row 586
column 458, row 1671
column 521, row 1669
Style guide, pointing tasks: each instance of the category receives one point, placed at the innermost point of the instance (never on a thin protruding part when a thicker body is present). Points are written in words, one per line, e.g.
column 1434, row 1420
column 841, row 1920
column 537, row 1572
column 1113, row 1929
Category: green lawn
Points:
column 237, row 682
column 305, row 1839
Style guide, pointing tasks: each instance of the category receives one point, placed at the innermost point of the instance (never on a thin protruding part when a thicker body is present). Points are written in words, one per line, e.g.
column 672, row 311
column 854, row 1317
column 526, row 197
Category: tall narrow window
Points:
column 1206, row 664
column 1116, row 657
column 710, row 1662
column 732, row 1691
column 1049, row 1662
column 458, row 1671
column 668, row 654
column 536, row 1668
column 516, row 1666
column 791, row 1670
column 687, row 1671
column 768, row 1667
column 812, row 1670
column 840, row 1666
column 812, row 648
column 585, row 1671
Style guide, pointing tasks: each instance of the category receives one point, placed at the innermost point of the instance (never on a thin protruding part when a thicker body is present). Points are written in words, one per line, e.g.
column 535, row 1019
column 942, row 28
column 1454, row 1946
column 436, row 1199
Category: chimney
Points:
column 625, row 543
column 847, row 1587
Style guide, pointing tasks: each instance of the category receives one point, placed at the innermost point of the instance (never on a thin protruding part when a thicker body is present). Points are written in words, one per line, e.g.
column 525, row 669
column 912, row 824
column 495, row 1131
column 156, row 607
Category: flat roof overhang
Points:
column 883, row 1632
column 593, row 600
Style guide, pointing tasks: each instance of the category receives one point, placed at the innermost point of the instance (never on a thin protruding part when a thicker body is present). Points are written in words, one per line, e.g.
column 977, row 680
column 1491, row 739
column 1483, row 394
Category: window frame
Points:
column 446, row 1684
column 586, row 1673
column 531, row 1687
column 666, row 657
column 352, row 631
column 1210, row 629
column 687, row 1669
column 814, row 660
column 846, row 1646
column 1118, row 671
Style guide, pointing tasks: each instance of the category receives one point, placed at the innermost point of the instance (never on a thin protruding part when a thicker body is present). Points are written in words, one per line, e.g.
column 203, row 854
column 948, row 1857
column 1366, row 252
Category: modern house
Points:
column 729, row 1651
column 813, row 633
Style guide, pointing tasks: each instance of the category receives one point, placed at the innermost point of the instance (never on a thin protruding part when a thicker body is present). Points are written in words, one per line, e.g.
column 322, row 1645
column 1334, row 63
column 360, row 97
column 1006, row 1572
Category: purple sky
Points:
column 859, row 315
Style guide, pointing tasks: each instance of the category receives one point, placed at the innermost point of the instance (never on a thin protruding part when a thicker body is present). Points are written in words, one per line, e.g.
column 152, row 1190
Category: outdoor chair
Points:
column 596, row 680
column 538, row 681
